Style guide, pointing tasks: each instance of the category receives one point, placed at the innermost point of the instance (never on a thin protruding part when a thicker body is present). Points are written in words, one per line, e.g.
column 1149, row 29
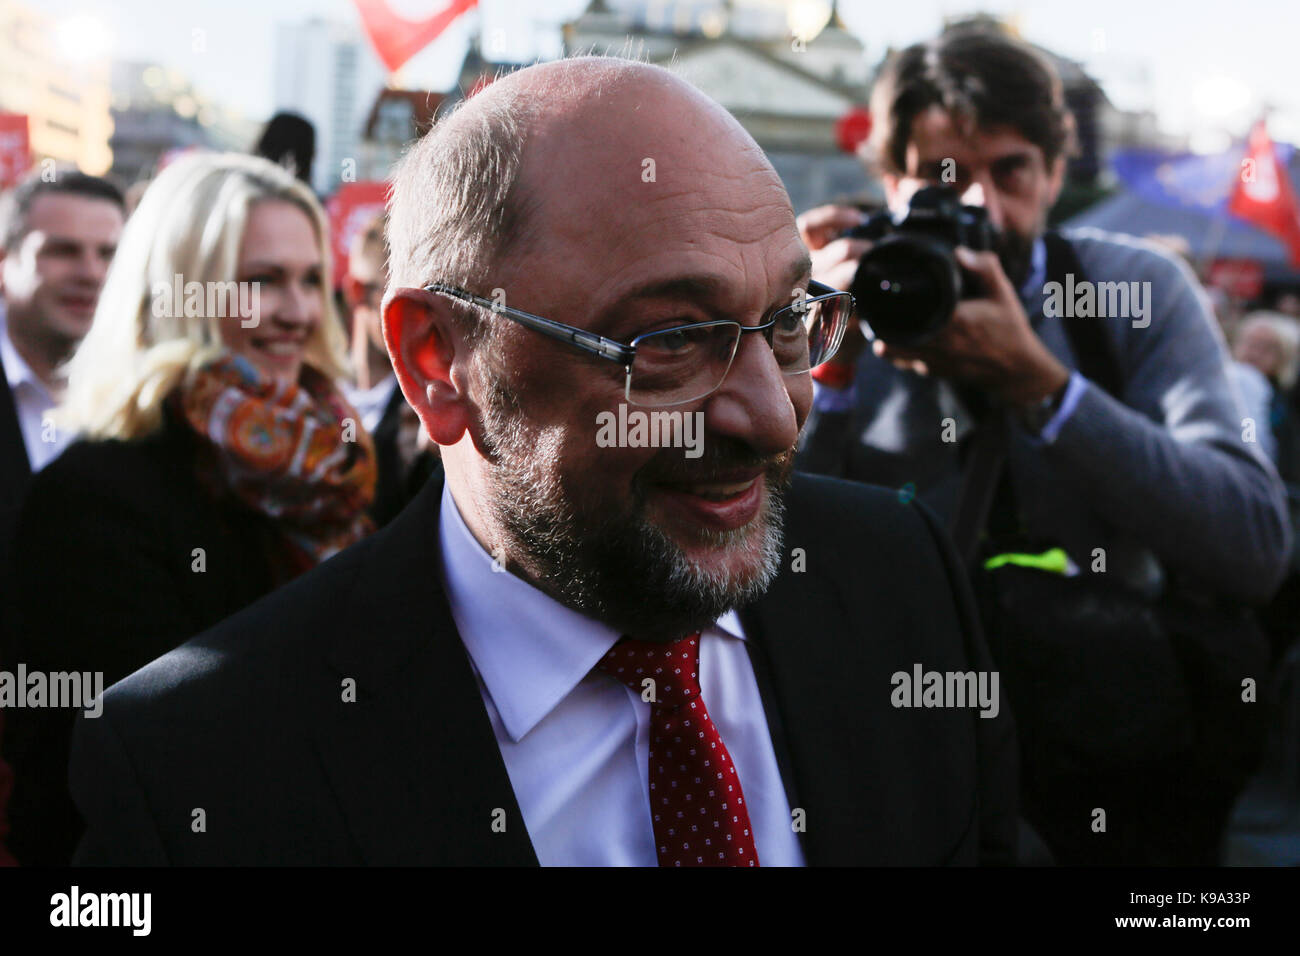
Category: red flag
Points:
column 1263, row 195
column 397, row 39
column 15, row 154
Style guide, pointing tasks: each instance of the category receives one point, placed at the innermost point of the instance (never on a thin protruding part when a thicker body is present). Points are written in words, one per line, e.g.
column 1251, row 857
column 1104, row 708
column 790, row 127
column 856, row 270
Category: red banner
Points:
column 351, row 209
column 1263, row 195
column 397, row 39
column 15, row 150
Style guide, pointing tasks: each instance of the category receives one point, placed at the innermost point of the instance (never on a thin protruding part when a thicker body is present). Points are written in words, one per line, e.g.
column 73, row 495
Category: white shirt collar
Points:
column 17, row 371
column 1033, row 287
column 530, row 650
column 371, row 402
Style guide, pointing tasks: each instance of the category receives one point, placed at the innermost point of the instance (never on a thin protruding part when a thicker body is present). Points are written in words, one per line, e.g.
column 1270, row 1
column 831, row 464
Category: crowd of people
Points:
column 193, row 498
column 217, row 454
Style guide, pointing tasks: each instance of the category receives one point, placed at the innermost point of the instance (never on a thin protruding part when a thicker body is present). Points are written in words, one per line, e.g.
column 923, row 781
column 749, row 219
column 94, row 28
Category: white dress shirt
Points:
column 370, row 402
column 32, row 400
column 576, row 743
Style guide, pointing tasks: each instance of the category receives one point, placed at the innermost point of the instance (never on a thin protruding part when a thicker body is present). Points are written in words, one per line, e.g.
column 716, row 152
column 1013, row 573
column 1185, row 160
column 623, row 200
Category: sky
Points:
column 1206, row 67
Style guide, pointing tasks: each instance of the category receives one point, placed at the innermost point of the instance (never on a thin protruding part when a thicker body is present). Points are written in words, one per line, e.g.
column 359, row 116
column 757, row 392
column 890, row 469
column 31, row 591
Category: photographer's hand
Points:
column 835, row 262
column 989, row 343
column 834, row 259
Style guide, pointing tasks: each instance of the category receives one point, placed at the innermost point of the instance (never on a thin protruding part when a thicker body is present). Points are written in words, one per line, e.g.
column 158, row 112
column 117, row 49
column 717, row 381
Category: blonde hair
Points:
column 1287, row 332
column 190, row 223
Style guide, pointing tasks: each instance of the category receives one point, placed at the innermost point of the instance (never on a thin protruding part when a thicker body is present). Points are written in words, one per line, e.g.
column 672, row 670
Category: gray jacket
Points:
column 1171, row 478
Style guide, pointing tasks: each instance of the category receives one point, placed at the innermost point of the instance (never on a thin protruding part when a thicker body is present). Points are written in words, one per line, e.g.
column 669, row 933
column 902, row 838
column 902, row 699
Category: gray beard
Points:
column 620, row 569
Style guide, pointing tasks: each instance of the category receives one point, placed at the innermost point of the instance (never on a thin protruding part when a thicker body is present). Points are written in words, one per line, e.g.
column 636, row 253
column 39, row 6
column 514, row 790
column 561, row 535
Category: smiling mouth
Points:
column 712, row 491
column 283, row 347
column 718, row 505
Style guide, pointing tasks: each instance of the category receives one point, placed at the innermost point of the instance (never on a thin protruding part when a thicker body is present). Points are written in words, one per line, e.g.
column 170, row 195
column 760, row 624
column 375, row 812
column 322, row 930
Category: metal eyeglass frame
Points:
column 624, row 353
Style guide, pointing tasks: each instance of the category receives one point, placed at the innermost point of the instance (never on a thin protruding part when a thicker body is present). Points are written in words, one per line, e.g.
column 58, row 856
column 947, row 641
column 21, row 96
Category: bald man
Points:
column 621, row 631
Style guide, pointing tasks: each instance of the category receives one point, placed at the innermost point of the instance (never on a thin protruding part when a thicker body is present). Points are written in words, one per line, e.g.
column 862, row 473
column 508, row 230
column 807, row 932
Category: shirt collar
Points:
column 377, row 394
column 530, row 650
column 1033, row 287
column 16, row 369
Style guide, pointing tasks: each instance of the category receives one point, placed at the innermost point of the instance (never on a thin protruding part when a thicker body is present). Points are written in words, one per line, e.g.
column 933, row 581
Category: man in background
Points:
column 405, row 457
column 57, row 238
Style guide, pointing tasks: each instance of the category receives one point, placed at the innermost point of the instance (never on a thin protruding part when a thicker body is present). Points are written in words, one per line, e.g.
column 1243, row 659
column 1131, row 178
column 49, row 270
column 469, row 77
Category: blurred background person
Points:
column 363, row 291
column 1288, row 303
column 57, row 238
column 1265, row 351
column 217, row 458
column 288, row 140
column 405, row 457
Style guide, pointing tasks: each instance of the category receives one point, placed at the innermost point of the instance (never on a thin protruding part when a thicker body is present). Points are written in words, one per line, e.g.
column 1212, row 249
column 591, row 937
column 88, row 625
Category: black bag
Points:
column 1101, row 679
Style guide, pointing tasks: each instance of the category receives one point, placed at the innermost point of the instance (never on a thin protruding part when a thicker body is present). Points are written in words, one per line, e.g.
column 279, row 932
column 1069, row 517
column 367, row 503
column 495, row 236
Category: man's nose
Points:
column 753, row 403
column 91, row 266
column 982, row 193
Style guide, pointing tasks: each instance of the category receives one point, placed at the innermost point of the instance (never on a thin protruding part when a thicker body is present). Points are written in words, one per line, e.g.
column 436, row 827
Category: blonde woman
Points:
column 215, row 457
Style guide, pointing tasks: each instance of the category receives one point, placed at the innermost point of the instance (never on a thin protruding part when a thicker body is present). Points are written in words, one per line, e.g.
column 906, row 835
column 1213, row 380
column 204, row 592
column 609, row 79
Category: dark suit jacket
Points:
column 397, row 482
column 107, row 582
column 243, row 733
column 15, row 476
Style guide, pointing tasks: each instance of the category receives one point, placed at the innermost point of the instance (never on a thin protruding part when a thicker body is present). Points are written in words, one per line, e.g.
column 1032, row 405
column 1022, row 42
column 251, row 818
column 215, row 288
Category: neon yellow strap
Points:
column 1053, row 560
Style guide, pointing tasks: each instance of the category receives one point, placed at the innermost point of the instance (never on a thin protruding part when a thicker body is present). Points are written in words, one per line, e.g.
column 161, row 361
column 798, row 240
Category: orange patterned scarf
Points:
column 296, row 453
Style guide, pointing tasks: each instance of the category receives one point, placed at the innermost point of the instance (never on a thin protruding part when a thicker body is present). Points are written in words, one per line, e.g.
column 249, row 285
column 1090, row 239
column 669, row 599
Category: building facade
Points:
column 787, row 91
column 64, row 95
column 328, row 73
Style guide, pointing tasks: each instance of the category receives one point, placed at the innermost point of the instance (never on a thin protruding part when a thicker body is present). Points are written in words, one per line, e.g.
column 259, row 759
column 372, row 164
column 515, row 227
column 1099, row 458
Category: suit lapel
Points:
column 824, row 724
column 414, row 761
column 15, row 466
column 15, row 476
column 797, row 686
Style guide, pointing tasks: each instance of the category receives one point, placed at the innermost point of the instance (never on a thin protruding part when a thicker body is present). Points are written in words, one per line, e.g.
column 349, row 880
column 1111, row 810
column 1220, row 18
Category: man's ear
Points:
column 422, row 339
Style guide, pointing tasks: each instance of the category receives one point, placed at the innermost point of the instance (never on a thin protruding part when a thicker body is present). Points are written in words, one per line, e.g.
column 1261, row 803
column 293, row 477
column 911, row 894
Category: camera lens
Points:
column 906, row 288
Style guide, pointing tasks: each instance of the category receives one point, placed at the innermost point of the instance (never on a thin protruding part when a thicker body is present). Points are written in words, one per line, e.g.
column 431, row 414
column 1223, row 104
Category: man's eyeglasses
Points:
column 687, row 362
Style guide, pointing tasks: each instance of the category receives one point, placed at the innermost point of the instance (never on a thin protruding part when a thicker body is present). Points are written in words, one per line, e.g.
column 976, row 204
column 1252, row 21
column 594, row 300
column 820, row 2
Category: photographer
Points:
column 1118, row 510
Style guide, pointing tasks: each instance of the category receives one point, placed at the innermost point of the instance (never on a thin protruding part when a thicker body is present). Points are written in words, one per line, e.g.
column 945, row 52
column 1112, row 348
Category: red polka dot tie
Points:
column 698, row 808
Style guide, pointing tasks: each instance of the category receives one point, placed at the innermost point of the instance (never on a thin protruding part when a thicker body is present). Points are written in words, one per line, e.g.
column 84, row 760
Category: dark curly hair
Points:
column 981, row 77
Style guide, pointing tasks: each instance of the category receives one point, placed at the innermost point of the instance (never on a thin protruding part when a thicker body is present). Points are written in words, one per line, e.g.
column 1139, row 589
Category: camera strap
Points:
column 985, row 480
column 1093, row 355
column 985, row 459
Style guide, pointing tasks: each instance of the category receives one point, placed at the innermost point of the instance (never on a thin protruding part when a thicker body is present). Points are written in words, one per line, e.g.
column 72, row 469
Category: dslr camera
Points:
column 908, row 283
